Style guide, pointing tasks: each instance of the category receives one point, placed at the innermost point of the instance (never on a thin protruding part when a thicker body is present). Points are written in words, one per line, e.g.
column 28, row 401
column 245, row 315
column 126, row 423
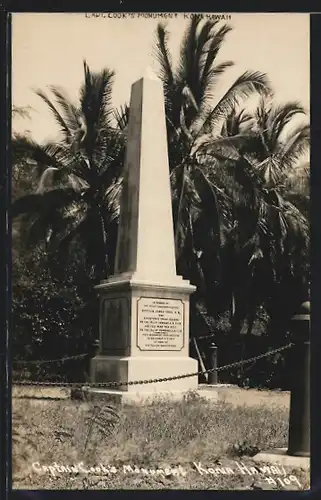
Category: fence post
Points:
column 299, row 422
column 96, row 346
column 212, row 376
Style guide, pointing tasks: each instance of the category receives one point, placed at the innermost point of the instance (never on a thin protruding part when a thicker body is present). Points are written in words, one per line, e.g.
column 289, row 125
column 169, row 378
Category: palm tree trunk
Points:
column 177, row 221
column 104, row 238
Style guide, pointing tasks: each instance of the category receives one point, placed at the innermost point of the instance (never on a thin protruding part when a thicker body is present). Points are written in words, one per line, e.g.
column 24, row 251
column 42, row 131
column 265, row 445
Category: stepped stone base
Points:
column 134, row 368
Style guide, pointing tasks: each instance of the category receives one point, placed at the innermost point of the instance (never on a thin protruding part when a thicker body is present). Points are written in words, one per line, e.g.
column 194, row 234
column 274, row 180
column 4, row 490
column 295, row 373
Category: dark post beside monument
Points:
column 298, row 453
column 299, row 424
column 212, row 376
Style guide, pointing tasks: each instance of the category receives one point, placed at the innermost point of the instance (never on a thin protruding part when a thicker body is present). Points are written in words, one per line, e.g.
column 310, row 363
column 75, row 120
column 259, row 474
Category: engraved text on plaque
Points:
column 160, row 324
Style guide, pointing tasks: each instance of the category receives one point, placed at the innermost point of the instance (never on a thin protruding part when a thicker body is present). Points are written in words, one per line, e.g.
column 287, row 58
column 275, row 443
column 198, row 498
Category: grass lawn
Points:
column 191, row 444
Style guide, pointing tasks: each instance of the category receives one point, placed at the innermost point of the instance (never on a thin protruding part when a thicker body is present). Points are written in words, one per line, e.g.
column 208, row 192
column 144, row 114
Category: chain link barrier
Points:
column 45, row 361
column 149, row 381
column 77, row 356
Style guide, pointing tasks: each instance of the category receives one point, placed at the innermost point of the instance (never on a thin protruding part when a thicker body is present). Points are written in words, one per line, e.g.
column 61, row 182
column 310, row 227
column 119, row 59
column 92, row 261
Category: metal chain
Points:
column 45, row 361
column 79, row 356
column 146, row 381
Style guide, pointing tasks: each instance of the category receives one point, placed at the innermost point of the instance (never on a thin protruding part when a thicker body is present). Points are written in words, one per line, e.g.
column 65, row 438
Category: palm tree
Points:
column 21, row 182
column 280, row 161
column 80, row 176
column 280, row 151
column 194, row 121
column 230, row 175
column 269, row 246
column 297, row 187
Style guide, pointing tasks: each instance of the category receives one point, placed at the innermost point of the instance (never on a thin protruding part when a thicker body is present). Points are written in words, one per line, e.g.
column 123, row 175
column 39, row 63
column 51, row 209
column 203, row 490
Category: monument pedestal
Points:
column 135, row 369
column 144, row 335
column 132, row 369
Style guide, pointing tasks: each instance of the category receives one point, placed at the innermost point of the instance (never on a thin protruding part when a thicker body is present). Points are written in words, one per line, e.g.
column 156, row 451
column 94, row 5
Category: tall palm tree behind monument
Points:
column 223, row 163
column 269, row 242
column 194, row 117
column 278, row 240
column 77, row 198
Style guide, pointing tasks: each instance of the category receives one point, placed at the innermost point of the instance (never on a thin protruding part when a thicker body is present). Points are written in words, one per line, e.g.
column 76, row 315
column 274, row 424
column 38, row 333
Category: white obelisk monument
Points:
column 144, row 306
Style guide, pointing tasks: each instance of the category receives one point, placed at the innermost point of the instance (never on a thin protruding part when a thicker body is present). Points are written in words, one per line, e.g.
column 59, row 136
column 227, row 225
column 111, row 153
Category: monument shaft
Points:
column 145, row 246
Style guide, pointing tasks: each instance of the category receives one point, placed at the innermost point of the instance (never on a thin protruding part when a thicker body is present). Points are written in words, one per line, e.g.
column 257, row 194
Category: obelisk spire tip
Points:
column 149, row 73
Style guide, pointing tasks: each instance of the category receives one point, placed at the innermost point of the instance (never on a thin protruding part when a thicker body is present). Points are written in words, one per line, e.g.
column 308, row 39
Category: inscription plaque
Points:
column 160, row 324
column 115, row 323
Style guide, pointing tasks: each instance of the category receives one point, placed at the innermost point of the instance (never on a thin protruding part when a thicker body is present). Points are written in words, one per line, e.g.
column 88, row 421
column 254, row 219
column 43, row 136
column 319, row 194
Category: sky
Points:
column 49, row 48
